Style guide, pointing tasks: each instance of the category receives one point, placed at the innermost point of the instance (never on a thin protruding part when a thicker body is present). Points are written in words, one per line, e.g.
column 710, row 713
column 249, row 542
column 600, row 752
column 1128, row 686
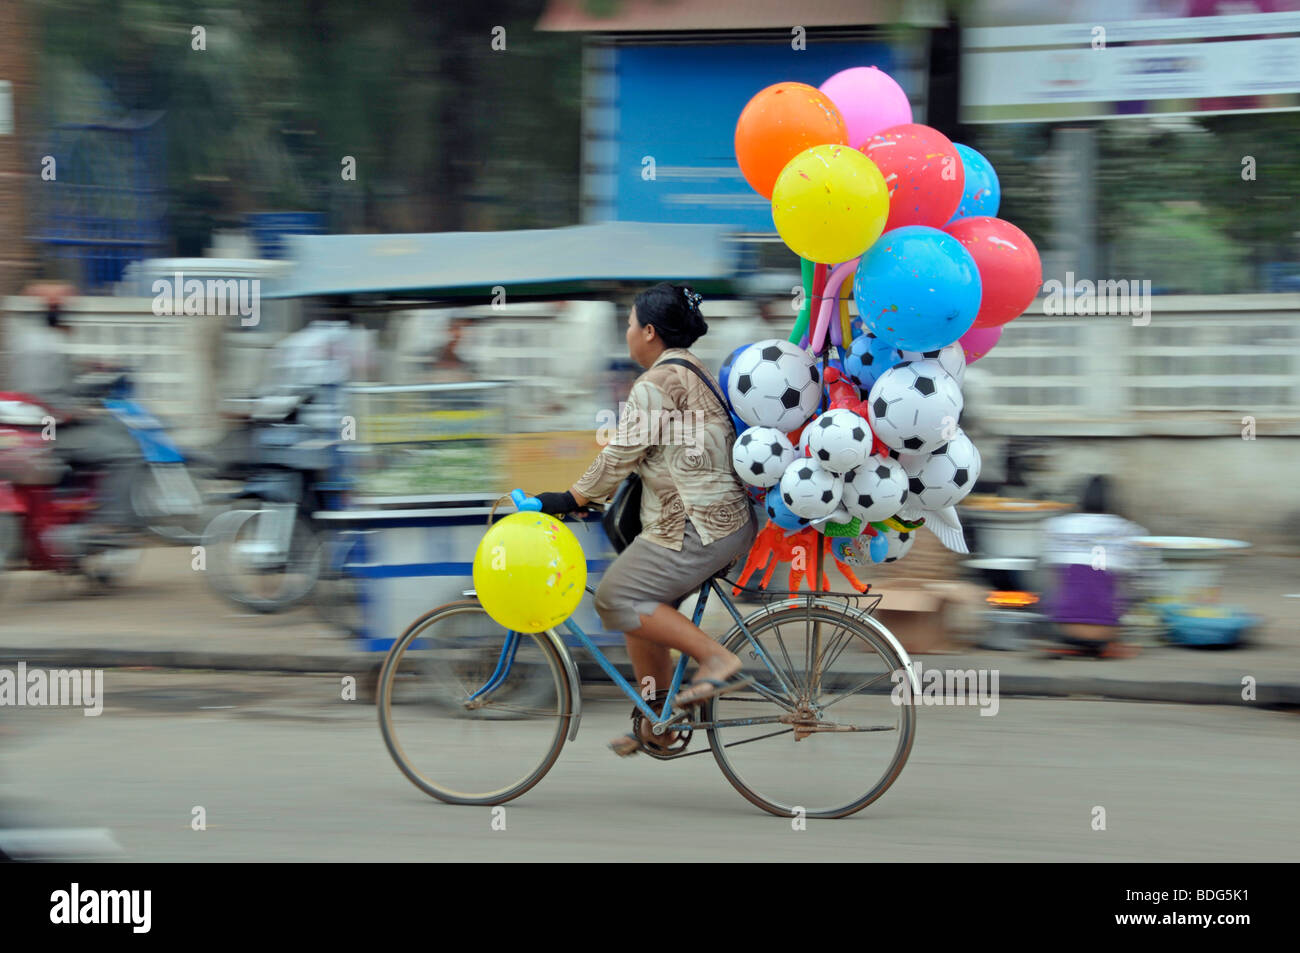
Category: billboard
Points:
column 661, row 121
column 1097, row 66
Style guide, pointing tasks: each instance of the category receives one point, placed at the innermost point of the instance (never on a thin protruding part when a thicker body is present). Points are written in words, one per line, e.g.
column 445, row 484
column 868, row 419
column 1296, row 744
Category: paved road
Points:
column 290, row 772
column 167, row 608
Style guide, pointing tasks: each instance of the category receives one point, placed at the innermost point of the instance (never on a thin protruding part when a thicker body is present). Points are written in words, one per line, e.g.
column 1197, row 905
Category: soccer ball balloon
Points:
column 876, row 490
column 760, row 455
column 914, row 407
column 947, row 475
column 779, row 513
column 774, row 384
column 951, row 358
column 900, row 543
column 839, row 439
column 868, row 358
column 809, row 490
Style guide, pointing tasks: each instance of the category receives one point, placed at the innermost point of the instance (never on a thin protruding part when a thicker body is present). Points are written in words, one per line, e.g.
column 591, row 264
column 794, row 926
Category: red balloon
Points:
column 1010, row 270
column 924, row 173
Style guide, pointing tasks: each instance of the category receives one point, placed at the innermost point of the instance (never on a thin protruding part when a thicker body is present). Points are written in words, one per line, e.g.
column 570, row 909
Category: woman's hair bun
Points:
column 674, row 310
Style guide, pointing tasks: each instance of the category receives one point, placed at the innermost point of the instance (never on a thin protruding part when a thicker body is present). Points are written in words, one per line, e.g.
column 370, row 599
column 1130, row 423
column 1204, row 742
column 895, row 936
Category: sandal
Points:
column 625, row 745
column 702, row 689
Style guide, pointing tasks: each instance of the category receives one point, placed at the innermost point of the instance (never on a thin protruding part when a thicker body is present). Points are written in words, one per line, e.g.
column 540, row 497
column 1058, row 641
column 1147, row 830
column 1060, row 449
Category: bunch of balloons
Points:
column 861, row 444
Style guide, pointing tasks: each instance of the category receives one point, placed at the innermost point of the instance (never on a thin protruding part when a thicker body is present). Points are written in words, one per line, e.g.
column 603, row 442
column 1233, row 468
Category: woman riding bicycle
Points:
column 695, row 515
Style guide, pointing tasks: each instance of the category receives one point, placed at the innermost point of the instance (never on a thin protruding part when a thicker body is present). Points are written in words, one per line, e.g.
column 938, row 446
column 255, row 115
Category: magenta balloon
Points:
column 979, row 341
column 869, row 100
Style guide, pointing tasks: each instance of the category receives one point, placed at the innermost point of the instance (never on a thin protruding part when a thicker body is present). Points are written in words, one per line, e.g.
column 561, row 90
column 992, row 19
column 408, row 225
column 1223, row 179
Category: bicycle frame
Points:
column 662, row 722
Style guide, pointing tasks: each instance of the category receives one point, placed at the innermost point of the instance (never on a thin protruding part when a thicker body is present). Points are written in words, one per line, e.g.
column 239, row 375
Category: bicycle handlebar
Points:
column 524, row 502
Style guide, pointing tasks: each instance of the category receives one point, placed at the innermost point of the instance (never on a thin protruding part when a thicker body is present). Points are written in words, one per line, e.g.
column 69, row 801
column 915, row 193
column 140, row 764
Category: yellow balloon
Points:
column 830, row 203
column 529, row 572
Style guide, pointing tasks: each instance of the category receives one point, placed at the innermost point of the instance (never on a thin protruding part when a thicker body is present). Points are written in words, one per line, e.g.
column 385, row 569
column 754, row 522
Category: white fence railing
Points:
column 1198, row 368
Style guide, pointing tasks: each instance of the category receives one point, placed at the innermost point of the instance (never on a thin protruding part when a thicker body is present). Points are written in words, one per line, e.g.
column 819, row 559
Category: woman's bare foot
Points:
column 625, row 745
column 709, row 674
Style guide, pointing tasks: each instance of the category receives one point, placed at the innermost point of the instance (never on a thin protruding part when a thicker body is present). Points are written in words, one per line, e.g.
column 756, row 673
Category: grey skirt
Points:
column 647, row 574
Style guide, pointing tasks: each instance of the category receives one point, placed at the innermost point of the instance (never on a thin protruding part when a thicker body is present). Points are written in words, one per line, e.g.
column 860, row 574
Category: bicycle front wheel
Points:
column 472, row 713
column 821, row 733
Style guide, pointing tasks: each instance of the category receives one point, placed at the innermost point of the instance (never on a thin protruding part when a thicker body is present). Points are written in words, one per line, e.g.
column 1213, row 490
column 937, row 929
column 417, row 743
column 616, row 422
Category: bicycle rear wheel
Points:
column 820, row 731
column 471, row 713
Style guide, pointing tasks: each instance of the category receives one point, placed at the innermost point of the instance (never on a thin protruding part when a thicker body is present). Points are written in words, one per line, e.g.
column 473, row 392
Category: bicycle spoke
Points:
column 457, row 748
column 768, row 695
column 808, row 649
column 855, row 690
column 790, row 679
column 823, row 777
column 826, row 663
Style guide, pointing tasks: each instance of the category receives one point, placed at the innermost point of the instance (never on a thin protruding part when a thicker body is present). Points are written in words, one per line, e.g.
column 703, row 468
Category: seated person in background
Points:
column 1089, row 551
column 450, row 366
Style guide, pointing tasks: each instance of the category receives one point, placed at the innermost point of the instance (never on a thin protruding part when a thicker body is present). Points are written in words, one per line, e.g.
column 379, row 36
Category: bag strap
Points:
column 707, row 383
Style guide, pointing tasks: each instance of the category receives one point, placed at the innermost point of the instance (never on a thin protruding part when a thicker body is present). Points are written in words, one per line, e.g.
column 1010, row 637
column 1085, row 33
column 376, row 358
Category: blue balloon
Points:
column 983, row 193
column 878, row 548
column 779, row 513
column 840, row 546
column 917, row 288
column 724, row 373
column 868, row 359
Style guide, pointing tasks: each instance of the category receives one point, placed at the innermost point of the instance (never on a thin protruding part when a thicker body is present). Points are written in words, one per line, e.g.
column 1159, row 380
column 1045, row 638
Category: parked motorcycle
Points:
column 46, row 507
column 264, row 554
column 164, row 497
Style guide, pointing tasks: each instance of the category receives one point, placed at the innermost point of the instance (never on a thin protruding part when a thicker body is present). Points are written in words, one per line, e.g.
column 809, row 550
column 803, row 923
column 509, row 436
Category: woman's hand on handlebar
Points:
column 558, row 504
column 553, row 504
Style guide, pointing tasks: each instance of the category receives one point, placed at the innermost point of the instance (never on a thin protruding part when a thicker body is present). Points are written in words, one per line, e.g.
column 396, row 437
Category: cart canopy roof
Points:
column 533, row 263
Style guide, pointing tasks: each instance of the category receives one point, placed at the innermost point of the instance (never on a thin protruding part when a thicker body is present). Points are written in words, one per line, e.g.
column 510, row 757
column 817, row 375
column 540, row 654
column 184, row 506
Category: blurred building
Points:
column 16, row 173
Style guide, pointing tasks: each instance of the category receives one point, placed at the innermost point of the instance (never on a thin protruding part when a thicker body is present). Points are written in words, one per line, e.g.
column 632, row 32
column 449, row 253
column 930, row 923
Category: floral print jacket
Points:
column 673, row 432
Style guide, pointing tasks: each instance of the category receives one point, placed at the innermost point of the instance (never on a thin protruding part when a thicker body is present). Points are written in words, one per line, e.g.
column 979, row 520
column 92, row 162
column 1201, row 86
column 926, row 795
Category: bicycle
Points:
column 493, row 696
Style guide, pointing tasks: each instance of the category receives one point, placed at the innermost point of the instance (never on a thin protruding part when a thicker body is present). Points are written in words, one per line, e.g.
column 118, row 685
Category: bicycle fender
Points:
column 575, row 686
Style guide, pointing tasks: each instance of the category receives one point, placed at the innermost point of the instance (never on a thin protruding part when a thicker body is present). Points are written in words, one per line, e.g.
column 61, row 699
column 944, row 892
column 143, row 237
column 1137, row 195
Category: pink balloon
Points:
column 869, row 100
column 979, row 341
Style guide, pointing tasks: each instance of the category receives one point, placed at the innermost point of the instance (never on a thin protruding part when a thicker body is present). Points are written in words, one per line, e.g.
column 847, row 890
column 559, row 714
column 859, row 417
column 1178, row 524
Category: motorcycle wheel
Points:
column 261, row 585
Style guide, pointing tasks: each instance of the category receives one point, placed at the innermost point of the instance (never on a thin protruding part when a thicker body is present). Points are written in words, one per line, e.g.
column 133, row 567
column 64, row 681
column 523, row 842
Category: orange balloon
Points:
column 779, row 123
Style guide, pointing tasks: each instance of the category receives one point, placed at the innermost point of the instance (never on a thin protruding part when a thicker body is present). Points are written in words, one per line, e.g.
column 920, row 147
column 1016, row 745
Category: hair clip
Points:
column 693, row 297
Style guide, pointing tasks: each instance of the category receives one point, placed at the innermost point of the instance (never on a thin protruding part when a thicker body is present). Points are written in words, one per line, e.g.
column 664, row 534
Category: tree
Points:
column 446, row 132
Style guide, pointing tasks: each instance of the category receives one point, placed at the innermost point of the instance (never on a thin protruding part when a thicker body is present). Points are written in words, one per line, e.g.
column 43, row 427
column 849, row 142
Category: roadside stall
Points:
column 425, row 458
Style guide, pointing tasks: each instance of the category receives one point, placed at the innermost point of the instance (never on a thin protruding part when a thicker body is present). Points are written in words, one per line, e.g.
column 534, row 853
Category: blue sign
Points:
column 677, row 106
